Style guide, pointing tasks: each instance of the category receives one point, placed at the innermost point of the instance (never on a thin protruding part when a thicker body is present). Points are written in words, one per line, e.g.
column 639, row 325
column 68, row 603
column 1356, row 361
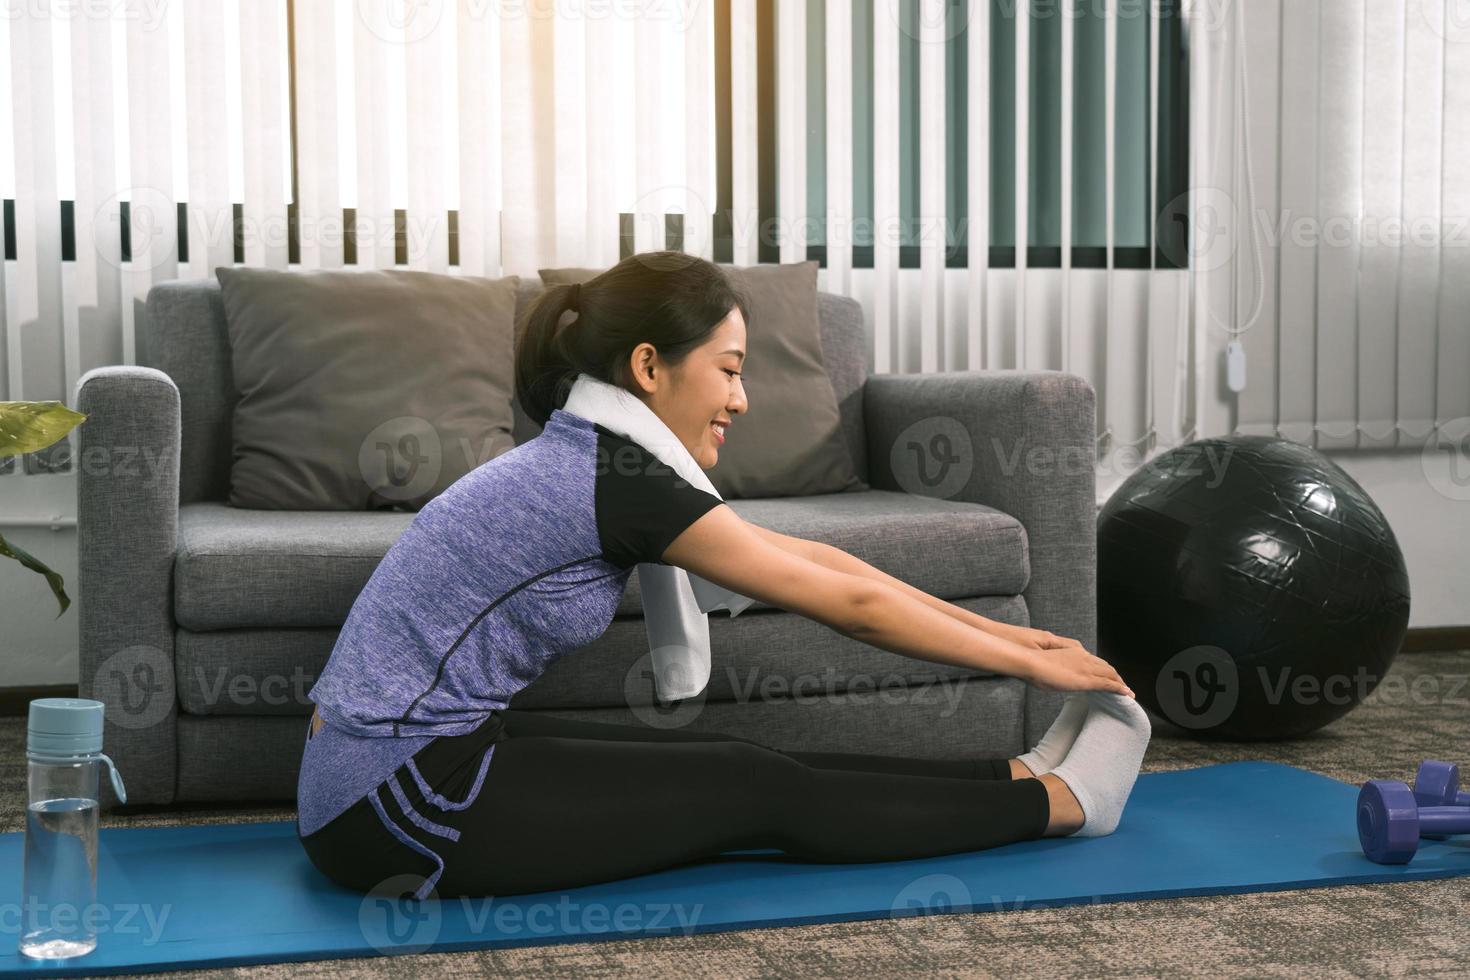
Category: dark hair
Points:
column 669, row 299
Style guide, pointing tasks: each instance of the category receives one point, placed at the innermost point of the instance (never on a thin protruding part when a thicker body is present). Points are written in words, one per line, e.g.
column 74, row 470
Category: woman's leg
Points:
column 536, row 723
column 558, row 812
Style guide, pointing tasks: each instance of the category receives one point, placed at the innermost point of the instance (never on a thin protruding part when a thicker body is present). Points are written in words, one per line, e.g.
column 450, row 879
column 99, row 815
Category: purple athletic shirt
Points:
column 520, row 561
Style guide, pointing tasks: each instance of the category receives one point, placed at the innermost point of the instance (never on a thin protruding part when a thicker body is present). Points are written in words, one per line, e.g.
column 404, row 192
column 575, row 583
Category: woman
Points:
column 415, row 769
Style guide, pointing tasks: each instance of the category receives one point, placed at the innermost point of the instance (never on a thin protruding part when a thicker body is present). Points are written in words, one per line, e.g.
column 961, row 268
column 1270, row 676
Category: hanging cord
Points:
column 1242, row 91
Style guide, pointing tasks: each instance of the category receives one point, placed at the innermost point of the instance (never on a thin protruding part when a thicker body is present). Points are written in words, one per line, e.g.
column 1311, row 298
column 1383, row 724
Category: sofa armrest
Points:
column 127, row 452
column 1023, row 442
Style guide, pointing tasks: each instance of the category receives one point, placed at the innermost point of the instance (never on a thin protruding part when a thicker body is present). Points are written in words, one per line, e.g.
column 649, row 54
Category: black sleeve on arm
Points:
column 642, row 504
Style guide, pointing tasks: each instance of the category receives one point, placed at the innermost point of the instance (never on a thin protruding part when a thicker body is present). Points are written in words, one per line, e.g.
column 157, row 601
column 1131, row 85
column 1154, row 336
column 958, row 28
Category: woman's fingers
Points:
column 1111, row 680
column 1111, row 671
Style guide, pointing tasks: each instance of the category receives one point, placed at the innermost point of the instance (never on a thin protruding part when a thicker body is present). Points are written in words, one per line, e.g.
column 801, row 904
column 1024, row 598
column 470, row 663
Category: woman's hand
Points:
column 1072, row 668
column 1032, row 638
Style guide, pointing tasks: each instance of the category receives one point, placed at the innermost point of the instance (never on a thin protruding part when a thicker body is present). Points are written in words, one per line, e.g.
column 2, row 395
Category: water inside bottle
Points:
column 60, row 878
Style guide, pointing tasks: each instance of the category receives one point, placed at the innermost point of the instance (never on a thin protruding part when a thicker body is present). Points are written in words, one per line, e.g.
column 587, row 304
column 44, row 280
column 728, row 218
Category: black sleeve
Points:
column 642, row 504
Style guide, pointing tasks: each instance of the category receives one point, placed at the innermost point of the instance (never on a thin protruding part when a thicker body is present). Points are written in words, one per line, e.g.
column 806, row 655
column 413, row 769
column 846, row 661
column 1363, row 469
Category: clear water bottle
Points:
column 64, row 750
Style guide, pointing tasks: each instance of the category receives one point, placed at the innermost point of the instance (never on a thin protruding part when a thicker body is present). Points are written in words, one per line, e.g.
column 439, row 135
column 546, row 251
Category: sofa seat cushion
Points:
column 250, row 568
column 766, row 655
column 240, row 567
column 947, row 548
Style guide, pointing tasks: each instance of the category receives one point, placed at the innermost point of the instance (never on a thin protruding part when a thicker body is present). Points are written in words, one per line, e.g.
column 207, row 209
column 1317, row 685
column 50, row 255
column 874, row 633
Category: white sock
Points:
column 1057, row 741
column 1103, row 763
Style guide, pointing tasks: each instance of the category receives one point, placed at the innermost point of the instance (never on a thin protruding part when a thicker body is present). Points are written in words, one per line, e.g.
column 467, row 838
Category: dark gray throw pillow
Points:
column 365, row 390
column 789, row 442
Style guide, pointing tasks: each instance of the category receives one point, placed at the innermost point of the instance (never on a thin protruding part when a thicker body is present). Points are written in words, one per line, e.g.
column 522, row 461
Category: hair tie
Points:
column 574, row 300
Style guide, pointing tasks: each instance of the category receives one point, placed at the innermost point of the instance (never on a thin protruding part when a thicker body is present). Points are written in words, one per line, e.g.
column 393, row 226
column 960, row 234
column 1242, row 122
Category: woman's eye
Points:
column 733, row 374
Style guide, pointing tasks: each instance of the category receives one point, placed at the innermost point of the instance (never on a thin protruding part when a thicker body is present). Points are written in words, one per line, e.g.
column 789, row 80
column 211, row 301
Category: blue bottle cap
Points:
column 68, row 729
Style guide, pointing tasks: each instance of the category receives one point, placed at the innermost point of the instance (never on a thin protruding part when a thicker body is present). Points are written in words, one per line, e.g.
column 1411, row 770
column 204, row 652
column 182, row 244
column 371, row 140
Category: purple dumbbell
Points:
column 1438, row 784
column 1391, row 821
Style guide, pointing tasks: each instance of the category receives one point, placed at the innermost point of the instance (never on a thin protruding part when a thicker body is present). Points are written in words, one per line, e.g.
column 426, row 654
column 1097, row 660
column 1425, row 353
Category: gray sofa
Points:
column 203, row 626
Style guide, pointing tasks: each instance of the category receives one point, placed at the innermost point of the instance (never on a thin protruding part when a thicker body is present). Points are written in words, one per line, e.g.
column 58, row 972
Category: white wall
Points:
column 36, row 647
column 1426, row 500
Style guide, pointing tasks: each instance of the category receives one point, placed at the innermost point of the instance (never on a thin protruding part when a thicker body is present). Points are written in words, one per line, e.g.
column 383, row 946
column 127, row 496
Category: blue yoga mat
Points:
column 240, row 894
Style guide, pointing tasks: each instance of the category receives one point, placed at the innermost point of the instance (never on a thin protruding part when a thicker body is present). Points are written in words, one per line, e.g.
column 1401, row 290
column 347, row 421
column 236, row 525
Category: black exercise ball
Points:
column 1248, row 588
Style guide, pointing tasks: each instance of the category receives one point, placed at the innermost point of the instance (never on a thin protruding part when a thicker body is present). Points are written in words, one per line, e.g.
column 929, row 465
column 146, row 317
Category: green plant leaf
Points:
column 28, row 426
column 30, row 561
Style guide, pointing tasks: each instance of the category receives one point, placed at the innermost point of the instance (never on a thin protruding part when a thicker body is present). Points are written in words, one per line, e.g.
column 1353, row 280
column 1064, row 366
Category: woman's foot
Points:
column 1104, row 762
column 1066, row 812
column 1059, row 738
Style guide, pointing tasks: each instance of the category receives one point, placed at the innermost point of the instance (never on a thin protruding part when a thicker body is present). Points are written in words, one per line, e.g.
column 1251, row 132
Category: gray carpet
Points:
column 1391, row 929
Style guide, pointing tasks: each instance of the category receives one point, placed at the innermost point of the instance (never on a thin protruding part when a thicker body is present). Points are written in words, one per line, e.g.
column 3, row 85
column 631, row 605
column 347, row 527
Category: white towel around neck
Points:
column 675, row 603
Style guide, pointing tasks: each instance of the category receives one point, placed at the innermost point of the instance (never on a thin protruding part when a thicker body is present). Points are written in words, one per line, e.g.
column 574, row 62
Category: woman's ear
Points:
column 643, row 366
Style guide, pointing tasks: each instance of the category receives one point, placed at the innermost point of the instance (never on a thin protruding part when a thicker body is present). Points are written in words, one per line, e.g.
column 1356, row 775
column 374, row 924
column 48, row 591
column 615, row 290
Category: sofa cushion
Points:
column 768, row 655
column 366, row 389
column 239, row 568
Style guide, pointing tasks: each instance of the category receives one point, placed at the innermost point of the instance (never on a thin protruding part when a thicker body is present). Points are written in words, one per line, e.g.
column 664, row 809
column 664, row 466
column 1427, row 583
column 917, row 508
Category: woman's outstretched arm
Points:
column 723, row 548
column 830, row 556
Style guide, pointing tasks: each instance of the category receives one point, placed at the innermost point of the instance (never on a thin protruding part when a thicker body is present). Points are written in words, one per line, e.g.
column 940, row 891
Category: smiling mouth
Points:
column 719, row 428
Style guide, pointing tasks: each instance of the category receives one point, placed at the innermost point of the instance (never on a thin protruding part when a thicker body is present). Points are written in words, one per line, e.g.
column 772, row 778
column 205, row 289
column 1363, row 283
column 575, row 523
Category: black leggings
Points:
column 570, row 803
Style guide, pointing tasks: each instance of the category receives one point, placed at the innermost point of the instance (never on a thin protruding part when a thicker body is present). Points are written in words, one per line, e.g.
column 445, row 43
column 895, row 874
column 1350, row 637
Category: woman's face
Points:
column 699, row 397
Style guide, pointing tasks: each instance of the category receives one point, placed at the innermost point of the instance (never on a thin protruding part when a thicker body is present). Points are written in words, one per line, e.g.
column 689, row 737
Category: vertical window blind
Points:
column 1000, row 183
